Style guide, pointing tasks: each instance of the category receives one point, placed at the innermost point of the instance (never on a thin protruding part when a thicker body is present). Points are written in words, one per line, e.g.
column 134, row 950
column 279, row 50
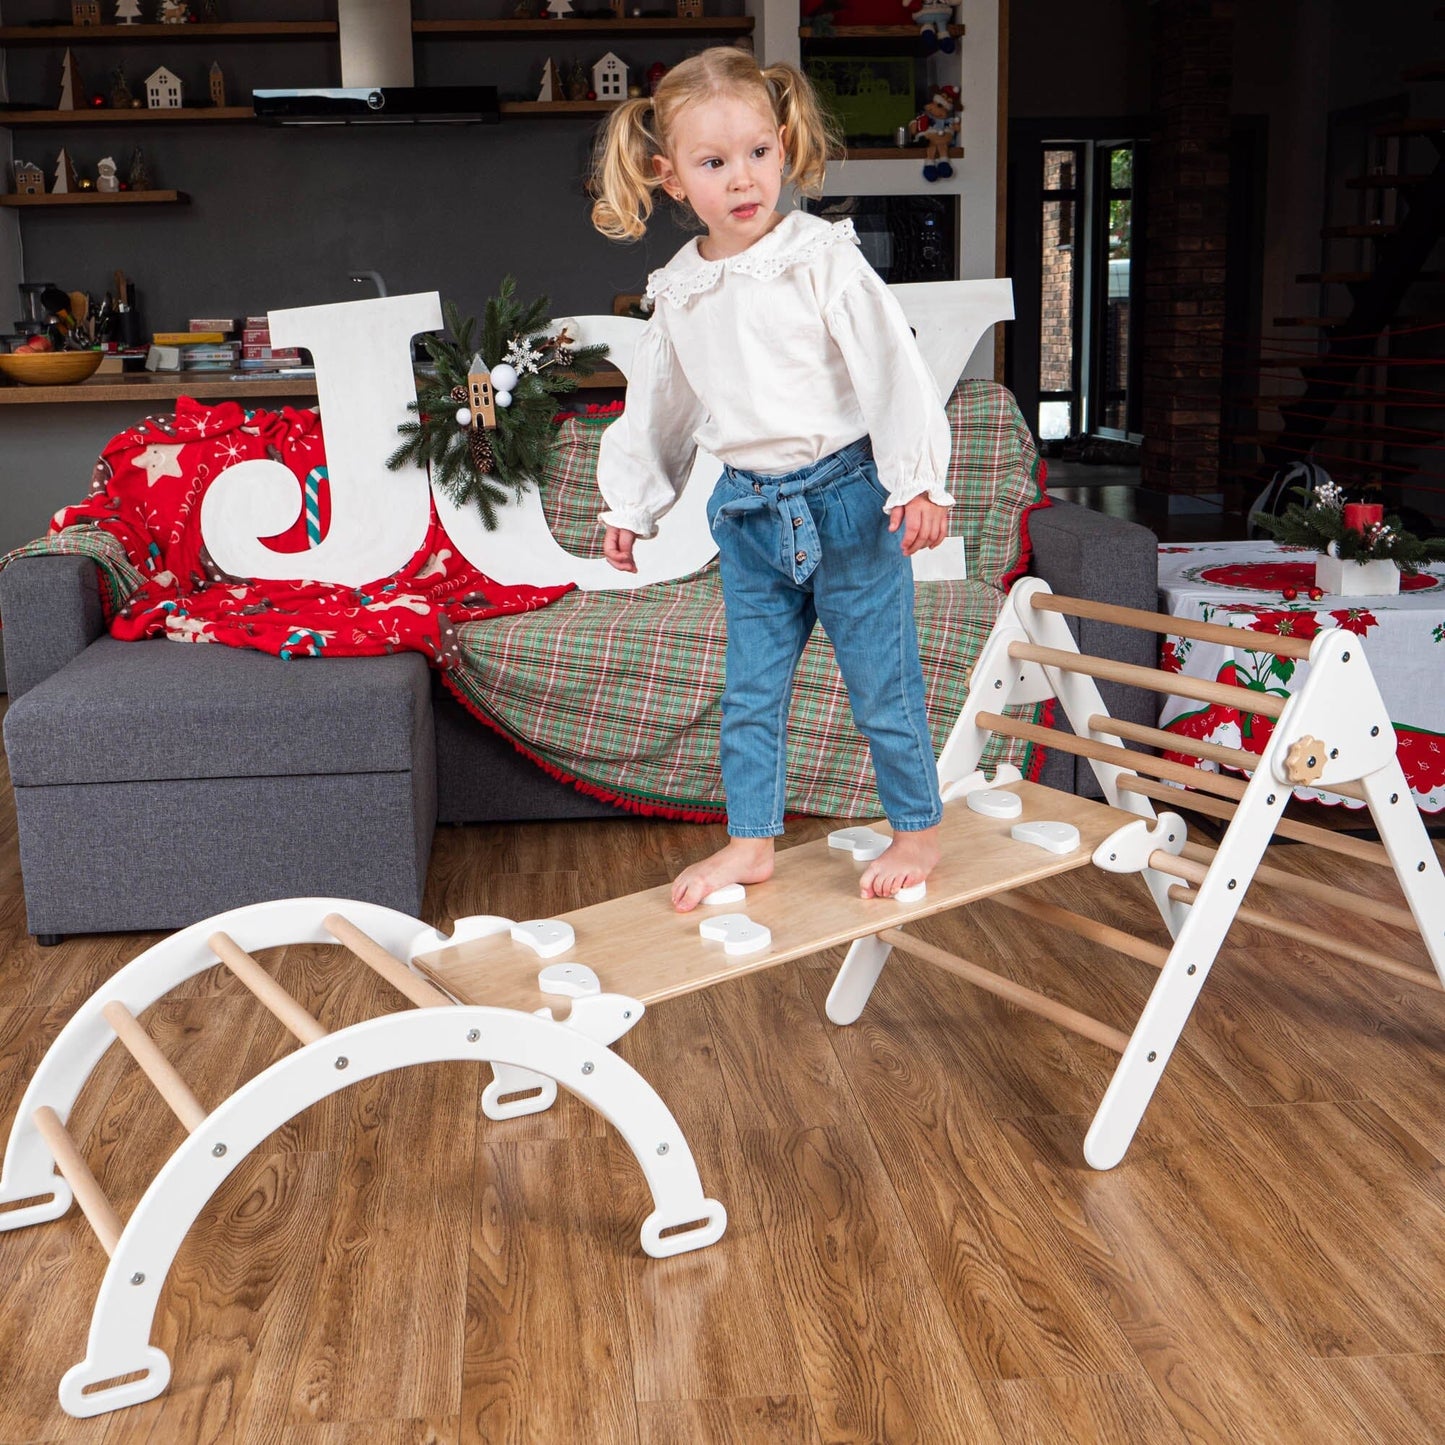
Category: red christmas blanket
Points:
column 146, row 491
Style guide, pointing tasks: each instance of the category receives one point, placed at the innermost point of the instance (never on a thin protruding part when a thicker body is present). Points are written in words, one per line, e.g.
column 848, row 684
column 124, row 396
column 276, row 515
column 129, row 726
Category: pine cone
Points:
column 565, row 356
column 480, row 446
column 459, row 392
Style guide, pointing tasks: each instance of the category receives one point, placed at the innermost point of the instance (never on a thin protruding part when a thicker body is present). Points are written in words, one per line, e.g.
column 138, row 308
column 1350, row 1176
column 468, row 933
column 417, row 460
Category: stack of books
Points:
column 208, row 344
column 257, row 353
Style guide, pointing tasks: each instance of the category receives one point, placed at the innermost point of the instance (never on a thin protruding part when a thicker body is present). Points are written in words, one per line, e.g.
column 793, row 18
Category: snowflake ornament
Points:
column 524, row 356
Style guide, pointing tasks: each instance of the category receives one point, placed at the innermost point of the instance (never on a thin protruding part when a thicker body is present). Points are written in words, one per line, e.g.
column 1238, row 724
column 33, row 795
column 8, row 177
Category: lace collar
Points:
column 797, row 238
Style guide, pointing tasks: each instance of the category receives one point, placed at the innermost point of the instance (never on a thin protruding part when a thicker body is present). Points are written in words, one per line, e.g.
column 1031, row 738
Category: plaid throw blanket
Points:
column 618, row 693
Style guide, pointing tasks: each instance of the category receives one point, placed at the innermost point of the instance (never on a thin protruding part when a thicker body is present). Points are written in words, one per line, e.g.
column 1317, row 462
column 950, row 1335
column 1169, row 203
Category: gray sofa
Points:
column 156, row 784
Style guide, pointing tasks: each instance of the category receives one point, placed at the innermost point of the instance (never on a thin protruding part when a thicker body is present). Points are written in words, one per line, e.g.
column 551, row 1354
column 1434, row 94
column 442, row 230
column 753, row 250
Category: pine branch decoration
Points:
column 1319, row 524
column 488, row 467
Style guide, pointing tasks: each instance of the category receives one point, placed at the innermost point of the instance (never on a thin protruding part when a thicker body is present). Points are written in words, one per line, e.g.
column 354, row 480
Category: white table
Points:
column 1239, row 584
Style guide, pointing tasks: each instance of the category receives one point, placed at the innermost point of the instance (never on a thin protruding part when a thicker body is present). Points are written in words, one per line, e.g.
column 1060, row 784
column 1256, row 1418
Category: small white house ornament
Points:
column 163, row 90
column 609, row 78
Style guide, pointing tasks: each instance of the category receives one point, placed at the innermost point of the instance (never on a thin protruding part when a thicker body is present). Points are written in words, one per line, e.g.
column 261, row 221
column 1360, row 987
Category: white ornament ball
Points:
column 504, row 377
column 464, row 417
column 503, row 398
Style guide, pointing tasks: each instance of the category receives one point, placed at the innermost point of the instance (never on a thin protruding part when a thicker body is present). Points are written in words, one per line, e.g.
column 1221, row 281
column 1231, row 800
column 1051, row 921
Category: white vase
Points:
column 1342, row 578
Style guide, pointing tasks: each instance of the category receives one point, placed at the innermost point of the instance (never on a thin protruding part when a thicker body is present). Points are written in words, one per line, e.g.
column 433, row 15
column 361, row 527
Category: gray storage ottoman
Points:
column 157, row 783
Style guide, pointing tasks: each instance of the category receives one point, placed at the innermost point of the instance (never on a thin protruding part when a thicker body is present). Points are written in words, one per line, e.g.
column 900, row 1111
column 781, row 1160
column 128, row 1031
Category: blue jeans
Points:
column 814, row 546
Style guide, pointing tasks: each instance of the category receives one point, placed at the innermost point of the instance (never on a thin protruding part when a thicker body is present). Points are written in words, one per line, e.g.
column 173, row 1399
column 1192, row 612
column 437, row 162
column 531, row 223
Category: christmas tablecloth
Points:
column 1242, row 585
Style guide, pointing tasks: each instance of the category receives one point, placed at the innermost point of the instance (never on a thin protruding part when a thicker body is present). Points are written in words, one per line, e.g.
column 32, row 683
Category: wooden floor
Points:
column 916, row 1252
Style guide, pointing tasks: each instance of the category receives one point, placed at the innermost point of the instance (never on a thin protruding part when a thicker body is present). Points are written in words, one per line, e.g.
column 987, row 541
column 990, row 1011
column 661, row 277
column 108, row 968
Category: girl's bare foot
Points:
column 744, row 860
column 908, row 859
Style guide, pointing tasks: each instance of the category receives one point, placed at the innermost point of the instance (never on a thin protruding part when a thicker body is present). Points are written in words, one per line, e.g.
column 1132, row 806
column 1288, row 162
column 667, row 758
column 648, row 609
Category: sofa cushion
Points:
column 139, row 711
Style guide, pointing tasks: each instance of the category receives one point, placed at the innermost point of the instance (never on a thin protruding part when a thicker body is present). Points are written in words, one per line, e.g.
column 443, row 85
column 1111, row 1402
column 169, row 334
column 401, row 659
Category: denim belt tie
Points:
column 798, row 544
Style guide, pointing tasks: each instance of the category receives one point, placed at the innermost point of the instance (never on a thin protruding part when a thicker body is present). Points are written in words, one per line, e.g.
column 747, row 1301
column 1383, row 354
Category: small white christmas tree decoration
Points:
column 70, row 87
column 558, row 8
column 551, row 83
column 65, row 181
column 163, row 90
column 127, row 12
column 609, row 78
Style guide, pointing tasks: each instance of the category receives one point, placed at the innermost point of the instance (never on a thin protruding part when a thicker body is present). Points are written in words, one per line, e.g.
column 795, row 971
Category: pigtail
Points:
column 623, row 178
column 812, row 137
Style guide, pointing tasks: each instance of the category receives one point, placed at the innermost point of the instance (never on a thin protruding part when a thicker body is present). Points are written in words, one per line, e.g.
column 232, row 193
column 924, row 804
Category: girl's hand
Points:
column 924, row 523
column 617, row 548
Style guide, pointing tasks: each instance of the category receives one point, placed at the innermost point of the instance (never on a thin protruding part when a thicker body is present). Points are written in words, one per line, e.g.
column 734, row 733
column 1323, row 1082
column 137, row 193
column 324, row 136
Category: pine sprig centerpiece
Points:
column 484, row 425
column 1321, row 517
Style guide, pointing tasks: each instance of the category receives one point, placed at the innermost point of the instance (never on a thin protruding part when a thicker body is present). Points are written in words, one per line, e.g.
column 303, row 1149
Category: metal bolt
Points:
column 1394, row 797
column 998, row 682
column 1171, row 837
column 1334, row 752
column 627, row 1013
column 1374, row 732
column 137, row 1278
column 218, row 1150
column 1152, row 1056
column 473, row 1035
column 588, row 1067
column 1419, row 867
column 1191, row 968
column 1234, row 882
column 342, row 1061
column 1344, row 657
column 1270, row 799
column 662, row 1148
column 1113, row 857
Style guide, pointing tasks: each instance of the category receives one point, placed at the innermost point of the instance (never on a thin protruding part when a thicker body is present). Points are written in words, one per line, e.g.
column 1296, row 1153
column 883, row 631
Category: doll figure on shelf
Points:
column 933, row 19
column 937, row 128
column 106, row 181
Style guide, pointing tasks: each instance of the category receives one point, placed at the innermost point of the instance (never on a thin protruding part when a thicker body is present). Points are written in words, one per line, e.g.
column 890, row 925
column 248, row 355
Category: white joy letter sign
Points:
column 379, row 518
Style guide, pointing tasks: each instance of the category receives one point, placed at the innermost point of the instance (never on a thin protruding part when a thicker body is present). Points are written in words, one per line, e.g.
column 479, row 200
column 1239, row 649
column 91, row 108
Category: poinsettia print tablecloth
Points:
column 1242, row 585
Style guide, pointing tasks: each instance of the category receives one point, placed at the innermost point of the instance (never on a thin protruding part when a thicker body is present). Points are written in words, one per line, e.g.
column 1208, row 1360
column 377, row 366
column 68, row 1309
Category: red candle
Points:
column 1359, row 515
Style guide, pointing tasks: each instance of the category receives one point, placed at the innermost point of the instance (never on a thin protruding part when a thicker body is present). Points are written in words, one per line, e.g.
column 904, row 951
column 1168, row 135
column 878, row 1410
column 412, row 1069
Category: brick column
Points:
column 1188, row 211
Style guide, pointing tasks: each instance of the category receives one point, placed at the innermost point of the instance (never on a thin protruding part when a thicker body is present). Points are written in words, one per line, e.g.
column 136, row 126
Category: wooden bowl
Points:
column 49, row 368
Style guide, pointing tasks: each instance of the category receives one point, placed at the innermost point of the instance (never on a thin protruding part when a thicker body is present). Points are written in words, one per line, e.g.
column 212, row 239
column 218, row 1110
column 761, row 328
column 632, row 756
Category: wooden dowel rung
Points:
column 1195, row 802
column 1015, row 993
column 1118, row 757
column 1242, row 698
column 1325, row 941
column 387, row 964
column 1096, row 932
column 292, row 1016
column 154, row 1065
column 1234, row 637
column 1197, row 748
column 76, row 1173
column 1312, row 888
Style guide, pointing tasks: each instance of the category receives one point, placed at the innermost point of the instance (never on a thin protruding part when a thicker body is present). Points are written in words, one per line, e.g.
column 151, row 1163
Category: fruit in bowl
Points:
column 33, row 367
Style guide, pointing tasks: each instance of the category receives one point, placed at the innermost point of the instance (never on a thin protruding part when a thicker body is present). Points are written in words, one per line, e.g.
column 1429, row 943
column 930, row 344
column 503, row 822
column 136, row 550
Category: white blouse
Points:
column 771, row 360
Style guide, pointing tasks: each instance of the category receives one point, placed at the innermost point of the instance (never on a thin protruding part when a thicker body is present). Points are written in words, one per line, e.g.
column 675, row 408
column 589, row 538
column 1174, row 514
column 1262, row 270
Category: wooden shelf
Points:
column 872, row 32
column 557, row 107
column 898, row 153
column 98, row 198
column 142, row 115
column 145, row 388
column 226, row 30
column 526, row 29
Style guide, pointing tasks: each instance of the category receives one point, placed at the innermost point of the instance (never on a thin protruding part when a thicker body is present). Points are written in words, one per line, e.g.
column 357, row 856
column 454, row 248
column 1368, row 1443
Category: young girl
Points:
column 774, row 345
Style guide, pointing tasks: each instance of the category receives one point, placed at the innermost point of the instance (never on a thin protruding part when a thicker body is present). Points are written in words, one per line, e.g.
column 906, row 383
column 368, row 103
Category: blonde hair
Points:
column 623, row 177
